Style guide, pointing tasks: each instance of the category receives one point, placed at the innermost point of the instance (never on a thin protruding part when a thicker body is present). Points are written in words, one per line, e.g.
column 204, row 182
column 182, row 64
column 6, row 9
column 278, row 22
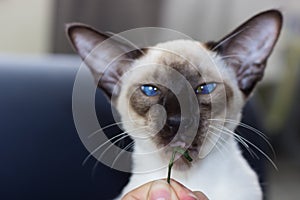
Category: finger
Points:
column 182, row 192
column 200, row 195
column 160, row 189
column 139, row 193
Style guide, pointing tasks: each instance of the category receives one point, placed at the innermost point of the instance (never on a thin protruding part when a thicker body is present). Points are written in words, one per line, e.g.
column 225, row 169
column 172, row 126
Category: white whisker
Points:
column 129, row 42
column 99, row 147
column 112, row 144
column 253, row 145
column 110, row 125
column 97, row 161
column 122, row 151
column 215, row 145
column 231, row 56
column 109, row 140
column 259, row 133
column 220, row 139
column 239, row 139
column 230, row 37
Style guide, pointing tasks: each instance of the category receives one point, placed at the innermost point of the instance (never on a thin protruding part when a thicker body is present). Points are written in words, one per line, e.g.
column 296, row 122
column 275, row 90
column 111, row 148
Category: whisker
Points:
column 222, row 139
column 252, row 144
column 102, row 154
column 259, row 133
column 231, row 56
column 122, row 151
column 263, row 153
column 99, row 147
column 126, row 59
column 109, row 140
column 110, row 125
column 123, row 137
column 216, row 145
column 99, row 158
column 248, row 127
column 243, row 125
column 230, row 37
column 129, row 42
column 252, row 153
column 239, row 139
column 112, row 144
column 257, row 148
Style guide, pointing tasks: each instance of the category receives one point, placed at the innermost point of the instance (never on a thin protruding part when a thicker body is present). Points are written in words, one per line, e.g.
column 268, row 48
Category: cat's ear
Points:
column 248, row 47
column 107, row 58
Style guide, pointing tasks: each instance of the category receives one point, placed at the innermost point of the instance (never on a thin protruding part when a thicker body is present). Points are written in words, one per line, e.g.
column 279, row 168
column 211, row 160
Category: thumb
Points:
column 160, row 189
column 200, row 195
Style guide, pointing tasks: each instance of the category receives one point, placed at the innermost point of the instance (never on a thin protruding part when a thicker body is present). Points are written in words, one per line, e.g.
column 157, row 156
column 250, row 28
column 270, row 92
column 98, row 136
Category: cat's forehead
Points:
column 190, row 58
column 180, row 52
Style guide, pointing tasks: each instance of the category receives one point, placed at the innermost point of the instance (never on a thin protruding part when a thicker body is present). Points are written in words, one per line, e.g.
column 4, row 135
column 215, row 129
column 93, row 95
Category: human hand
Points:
column 161, row 190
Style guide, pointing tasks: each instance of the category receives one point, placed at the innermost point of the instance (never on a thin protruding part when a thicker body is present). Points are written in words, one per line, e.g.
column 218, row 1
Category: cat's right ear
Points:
column 107, row 58
column 248, row 47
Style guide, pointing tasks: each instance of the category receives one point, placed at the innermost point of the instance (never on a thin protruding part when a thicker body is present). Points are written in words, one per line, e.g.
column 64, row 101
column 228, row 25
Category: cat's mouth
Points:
column 181, row 162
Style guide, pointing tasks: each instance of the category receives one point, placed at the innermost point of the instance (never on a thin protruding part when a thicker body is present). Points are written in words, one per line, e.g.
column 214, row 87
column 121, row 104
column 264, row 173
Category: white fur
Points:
column 219, row 175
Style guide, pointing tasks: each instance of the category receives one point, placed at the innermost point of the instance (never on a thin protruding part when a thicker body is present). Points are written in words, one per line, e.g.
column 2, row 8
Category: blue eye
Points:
column 206, row 88
column 149, row 90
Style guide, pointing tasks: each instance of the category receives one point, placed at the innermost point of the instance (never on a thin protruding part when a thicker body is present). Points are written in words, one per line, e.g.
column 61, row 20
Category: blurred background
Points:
column 33, row 44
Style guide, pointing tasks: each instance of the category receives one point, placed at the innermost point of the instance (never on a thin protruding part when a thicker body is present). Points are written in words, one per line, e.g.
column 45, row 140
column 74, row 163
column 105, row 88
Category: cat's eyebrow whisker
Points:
column 230, row 56
column 122, row 151
column 230, row 37
column 110, row 125
column 129, row 42
column 126, row 59
column 254, row 130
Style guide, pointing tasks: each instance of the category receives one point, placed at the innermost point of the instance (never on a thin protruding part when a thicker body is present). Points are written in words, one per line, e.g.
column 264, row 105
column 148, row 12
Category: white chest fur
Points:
column 221, row 175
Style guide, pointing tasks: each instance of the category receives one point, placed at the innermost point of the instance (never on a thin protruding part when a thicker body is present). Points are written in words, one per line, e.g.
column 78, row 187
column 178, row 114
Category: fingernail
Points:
column 193, row 196
column 160, row 190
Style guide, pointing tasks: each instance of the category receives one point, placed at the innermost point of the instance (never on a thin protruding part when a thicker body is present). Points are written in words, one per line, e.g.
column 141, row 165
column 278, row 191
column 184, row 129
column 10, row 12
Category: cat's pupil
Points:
column 149, row 90
column 206, row 88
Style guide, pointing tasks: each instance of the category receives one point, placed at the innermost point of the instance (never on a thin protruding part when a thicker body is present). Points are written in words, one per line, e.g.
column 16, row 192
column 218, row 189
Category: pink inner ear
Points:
column 84, row 38
column 106, row 57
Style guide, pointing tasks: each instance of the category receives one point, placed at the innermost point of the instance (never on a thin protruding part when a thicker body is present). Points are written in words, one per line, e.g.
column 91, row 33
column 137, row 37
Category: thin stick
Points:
column 182, row 152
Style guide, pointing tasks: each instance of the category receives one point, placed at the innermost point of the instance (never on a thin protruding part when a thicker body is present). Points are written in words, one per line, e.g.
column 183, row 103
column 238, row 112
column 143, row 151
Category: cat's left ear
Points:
column 107, row 58
column 248, row 47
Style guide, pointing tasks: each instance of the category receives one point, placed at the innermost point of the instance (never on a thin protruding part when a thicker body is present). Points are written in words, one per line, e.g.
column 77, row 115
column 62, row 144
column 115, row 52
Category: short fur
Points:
column 235, row 63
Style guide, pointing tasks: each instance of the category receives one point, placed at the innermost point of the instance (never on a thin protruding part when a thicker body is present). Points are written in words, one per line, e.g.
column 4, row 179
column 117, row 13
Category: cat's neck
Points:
column 210, row 173
column 146, row 157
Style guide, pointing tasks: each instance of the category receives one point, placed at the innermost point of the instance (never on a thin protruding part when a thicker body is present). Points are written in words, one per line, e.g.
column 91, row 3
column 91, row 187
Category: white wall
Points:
column 25, row 26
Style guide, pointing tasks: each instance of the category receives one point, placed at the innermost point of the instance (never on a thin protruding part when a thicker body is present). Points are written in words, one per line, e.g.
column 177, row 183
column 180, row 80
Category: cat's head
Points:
column 178, row 93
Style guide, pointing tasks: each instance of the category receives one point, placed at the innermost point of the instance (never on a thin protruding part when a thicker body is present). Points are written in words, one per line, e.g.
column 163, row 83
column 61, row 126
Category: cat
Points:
column 187, row 94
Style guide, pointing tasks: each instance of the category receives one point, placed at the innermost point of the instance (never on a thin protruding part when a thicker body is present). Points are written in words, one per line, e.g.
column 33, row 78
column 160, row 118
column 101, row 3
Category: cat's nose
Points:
column 174, row 122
